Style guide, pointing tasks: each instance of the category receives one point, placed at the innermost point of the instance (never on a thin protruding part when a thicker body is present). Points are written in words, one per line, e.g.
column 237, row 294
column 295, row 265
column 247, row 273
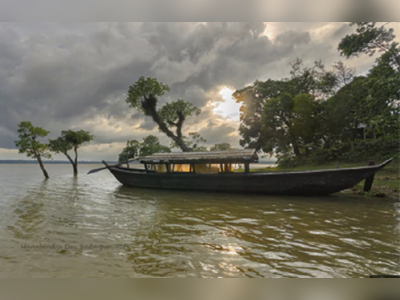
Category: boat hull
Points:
column 308, row 183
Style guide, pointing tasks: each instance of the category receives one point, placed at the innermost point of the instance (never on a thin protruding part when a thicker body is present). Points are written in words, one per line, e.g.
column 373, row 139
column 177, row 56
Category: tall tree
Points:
column 290, row 124
column 151, row 144
column 383, row 80
column 70, row 140
column 143, row 94
column 314, row 81
column 130, row 151
column 28, row 143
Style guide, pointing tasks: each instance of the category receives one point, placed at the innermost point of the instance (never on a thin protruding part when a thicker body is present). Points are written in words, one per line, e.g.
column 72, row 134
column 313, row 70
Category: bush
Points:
column 364, row 150
column 374, row 149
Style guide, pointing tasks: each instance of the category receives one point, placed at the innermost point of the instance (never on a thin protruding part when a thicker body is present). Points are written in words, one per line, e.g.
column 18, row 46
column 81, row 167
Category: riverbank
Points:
column 386, row 183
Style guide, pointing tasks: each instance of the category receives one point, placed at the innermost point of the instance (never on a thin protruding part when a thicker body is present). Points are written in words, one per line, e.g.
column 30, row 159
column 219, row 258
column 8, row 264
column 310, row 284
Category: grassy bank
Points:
column 386, row 182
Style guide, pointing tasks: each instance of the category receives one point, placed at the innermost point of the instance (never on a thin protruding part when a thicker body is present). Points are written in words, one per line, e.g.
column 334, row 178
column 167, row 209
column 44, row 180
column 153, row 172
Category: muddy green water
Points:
column 91, row 226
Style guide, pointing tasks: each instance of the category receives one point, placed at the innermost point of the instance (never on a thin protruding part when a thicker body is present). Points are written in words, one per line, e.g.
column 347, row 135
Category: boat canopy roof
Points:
column 229, row 156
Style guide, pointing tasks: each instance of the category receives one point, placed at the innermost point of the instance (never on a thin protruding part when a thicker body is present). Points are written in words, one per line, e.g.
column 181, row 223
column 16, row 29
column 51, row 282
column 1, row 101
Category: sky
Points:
column 75, row 76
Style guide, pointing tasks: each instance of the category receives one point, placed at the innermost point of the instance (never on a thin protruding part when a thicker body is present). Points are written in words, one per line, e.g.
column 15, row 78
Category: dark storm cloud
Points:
column 62, row 76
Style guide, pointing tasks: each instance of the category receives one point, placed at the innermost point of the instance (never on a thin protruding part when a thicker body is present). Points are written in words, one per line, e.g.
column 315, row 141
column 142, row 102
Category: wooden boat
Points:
column 213, row 171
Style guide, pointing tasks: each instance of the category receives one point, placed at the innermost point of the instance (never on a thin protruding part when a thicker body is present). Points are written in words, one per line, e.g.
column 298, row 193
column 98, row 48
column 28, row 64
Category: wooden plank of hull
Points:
column 322, row 182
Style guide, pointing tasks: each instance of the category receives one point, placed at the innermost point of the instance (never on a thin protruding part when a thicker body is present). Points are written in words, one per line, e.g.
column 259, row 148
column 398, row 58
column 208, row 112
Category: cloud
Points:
column 61, row 76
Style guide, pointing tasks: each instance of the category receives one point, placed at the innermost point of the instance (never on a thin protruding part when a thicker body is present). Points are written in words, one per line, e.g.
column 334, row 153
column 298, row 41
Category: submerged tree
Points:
column 143, row 94
column 130, row 151
column 70, row 140
column 28, row 143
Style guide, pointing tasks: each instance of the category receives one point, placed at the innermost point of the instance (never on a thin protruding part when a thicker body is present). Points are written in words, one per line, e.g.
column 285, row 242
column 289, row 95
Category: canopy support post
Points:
column 246, row 167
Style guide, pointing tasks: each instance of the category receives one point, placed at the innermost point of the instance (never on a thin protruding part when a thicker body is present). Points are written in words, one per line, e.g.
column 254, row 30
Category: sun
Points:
column 227, row 108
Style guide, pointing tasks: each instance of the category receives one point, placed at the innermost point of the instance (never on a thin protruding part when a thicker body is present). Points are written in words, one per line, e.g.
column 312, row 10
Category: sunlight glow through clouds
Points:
column 227, row 108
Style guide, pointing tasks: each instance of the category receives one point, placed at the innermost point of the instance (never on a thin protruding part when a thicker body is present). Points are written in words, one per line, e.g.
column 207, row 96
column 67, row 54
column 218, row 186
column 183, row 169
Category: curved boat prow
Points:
column 386, row 162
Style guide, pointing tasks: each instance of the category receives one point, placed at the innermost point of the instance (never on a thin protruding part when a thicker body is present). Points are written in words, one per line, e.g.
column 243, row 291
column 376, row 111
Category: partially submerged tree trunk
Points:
column 73, row 163
column 42, row 167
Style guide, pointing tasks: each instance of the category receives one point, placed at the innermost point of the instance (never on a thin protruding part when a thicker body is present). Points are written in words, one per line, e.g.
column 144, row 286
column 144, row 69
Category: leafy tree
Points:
column 383, row 80
column 369, row 39
column 130, row 151
column 314, row 81
column 221, row 147
column 143, row 94
column 384, row 90
column 151, row 144
column 70, row 140
column 291, row 124
column 354, row 101
column 28, row 143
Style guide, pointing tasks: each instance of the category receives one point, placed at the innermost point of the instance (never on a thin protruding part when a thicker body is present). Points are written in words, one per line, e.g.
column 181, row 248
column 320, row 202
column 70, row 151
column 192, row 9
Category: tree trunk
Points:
column 42, row 167
column 296, row 149
column 307, row 151
column 75, row 165
column 353, row 136
column 163, row 127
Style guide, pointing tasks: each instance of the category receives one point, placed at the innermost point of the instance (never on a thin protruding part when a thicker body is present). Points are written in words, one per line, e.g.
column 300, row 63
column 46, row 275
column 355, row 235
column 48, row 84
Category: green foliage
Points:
column 60, row 145
column 291, row 124
column 170, row 112
column 374, row 149
column 77, row 138
column 151, row 144
column 317, row 116
column 200, row 149
column 143, row 94
column 130, row 151
column 144, row 90
column 368, row 39
column 221, row 147
column 70, row 140
column 315, row 81
column 28, row 141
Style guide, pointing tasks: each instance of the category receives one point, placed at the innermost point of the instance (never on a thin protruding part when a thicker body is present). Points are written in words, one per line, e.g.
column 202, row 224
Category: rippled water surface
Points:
column 91, row 226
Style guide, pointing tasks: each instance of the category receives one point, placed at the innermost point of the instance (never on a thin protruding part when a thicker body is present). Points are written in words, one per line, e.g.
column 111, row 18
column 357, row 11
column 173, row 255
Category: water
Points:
column 91, row 226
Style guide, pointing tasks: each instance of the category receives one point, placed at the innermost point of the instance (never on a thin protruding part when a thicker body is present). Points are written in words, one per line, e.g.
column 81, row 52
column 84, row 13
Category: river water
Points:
column 91, row 226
